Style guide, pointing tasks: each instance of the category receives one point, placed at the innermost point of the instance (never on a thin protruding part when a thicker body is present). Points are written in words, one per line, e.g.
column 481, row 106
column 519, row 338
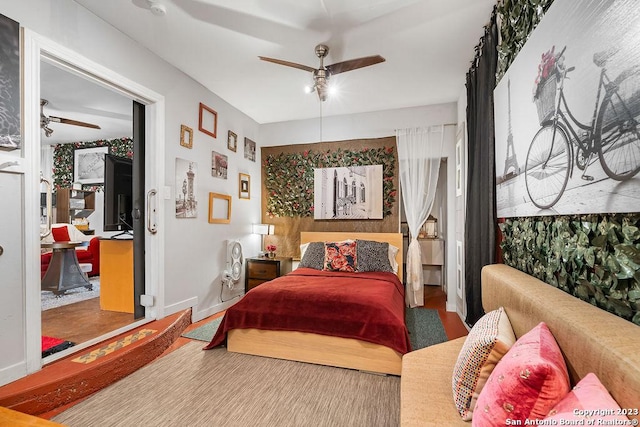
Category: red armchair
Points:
column 86, row 254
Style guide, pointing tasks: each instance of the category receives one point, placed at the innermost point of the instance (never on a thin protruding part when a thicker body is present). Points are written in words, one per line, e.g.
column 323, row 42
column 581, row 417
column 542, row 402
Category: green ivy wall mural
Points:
column 593, row 257
column 289, row 177
column 63, row 159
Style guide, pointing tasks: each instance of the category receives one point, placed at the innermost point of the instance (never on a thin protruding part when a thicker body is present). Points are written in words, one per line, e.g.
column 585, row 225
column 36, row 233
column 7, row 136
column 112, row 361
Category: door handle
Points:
column 48, row 206
column 151, row 213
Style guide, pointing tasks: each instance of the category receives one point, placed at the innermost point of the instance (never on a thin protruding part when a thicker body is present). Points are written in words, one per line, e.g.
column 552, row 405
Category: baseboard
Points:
column 203, row 314
column 13, row 372
column 190, row 303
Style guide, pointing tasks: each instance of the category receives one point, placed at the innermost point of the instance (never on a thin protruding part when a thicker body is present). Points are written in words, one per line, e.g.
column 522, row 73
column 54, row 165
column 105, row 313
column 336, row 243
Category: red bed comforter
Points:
column 364, row 306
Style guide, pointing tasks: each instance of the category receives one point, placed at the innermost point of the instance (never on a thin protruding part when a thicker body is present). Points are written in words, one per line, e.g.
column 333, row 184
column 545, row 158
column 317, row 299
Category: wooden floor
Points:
column 435, row 298
column 82, row 321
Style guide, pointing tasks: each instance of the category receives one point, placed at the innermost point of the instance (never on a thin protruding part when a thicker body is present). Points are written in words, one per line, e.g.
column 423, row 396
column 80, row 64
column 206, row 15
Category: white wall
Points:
column 376, row 125
column 193, row 255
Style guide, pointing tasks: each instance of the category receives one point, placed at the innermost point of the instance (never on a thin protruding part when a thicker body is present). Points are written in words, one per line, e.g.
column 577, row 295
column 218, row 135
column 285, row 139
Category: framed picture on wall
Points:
column 459, row 159
column 186, row 136
column 232, row 141
column 219, row 165
column 245, row 186
column 88, row 165
column 208, row 120
column 249, row 149
column 10, row 138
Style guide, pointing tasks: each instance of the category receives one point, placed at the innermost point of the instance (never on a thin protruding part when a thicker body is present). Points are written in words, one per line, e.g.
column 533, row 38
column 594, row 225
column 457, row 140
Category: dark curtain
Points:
column 480, row 227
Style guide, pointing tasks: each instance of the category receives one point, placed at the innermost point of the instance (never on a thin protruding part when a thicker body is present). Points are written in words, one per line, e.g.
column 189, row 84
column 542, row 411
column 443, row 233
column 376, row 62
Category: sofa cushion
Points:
column 588, row 400
column 488, row 341
column 60, row 234
column 526, row 384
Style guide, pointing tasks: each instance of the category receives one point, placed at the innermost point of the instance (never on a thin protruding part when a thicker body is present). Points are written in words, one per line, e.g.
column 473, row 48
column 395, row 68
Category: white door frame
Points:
column 35, row 47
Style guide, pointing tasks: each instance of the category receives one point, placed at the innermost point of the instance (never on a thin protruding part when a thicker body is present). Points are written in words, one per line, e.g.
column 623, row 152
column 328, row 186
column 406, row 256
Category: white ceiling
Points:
column 427, row 44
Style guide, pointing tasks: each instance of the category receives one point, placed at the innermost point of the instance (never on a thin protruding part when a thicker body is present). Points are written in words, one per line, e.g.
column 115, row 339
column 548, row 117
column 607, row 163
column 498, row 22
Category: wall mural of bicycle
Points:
column 567, row 114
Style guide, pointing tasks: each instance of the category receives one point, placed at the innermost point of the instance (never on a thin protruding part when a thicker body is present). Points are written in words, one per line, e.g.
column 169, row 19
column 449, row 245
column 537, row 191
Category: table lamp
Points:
column 264, row 230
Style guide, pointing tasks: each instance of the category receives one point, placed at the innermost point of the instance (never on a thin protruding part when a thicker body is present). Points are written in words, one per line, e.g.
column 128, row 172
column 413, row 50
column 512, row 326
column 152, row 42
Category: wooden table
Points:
column 64, row 271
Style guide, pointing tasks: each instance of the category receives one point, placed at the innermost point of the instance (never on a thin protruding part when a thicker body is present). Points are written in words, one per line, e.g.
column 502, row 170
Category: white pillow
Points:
column 393, row 251
column 303, row 249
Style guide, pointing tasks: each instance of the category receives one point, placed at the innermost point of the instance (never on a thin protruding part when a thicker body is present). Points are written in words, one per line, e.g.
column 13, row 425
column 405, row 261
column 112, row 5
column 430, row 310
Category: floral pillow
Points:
column 340, row 256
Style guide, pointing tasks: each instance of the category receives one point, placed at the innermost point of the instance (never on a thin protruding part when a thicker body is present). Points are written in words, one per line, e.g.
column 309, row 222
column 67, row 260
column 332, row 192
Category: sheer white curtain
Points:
column 419, row 155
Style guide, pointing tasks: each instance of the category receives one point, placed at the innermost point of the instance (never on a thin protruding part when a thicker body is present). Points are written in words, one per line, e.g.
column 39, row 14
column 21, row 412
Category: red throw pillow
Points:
column 60, row 234
column 340, row 256
column 588, row 400
column 526, row 384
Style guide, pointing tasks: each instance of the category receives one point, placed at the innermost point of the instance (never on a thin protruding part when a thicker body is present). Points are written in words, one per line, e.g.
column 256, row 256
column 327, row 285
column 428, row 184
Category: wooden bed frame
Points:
column 322, row 349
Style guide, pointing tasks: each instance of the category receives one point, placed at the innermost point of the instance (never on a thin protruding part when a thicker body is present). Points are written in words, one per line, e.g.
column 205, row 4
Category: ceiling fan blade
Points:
column 72, row 122
column 288, row 64
column 354, row 64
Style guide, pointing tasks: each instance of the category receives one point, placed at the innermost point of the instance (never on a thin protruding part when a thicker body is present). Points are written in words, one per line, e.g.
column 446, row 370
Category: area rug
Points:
column 192, row 387
column 204, row 332
column 51, row 345
column 49, row 300
column 425, row 328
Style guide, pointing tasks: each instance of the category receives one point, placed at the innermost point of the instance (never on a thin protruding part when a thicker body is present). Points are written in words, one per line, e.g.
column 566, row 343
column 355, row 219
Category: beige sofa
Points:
column 591, row 339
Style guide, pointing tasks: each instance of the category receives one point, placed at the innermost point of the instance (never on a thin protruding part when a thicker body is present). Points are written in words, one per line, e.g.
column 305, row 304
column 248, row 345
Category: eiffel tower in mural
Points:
column 511, row 168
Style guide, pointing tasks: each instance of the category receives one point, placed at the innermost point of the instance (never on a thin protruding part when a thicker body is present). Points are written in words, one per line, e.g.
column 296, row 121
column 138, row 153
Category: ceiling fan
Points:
column 45, row 120
column 321, row 74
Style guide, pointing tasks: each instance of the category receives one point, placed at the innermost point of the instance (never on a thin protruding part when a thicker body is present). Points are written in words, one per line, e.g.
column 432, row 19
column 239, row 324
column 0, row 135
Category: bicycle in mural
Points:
column 564, row 142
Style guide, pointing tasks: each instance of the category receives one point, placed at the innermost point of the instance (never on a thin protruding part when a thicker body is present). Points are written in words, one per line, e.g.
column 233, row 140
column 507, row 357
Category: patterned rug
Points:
column 49, row 300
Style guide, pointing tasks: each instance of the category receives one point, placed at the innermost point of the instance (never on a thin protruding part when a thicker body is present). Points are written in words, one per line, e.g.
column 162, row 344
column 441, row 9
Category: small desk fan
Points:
column 233, row 270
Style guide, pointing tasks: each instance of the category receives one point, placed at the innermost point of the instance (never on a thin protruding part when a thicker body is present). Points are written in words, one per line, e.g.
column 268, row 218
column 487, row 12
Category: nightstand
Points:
column 260, row 270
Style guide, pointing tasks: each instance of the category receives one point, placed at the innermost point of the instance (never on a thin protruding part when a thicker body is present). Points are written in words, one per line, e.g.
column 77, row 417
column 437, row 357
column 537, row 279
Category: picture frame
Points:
column 244, row 186
column 88, row 165
column 186, row 184
column 186, row 136
column 232, row 141
column 219, row 208
column 219, row 165
column 249, row 149
column 10, row 136
column 208, row 120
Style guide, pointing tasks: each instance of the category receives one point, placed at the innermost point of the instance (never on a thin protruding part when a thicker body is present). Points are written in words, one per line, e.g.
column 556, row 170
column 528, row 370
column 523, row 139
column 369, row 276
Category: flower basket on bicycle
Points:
column 546, row 98
column 544, row 87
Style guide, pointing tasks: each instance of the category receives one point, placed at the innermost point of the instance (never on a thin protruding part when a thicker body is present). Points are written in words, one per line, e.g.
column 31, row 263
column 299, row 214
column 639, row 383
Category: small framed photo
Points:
column 218, row 165
column 244, row 186
column 208, row 120
column 186, row 136
column 249, row 149
column 88, row 165
column 232, row 141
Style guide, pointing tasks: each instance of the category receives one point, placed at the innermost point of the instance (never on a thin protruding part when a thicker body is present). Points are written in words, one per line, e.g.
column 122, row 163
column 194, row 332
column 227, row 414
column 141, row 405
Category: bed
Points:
column 377, row 343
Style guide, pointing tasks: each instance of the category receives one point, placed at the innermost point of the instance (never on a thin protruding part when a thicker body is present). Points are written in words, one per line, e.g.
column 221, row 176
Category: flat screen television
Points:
column 118, row 193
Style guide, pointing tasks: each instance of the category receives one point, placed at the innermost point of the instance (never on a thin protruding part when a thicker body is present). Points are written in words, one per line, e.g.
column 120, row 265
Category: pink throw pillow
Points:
column 588, row 400
column 60, row 234
column 340, row 256
column 527, row 382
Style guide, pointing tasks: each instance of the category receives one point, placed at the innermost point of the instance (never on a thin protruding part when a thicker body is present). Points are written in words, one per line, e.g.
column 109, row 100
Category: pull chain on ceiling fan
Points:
column 46, row 120
column 322, row 74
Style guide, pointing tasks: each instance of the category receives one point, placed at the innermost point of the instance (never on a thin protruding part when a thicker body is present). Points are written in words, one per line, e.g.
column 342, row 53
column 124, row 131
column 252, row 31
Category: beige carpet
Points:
column 192, row 387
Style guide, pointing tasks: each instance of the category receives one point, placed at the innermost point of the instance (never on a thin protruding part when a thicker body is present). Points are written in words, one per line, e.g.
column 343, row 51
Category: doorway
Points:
column 50, row 55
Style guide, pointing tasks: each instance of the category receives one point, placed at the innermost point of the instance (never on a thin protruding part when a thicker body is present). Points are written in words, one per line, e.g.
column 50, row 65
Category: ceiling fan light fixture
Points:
column 309, row 89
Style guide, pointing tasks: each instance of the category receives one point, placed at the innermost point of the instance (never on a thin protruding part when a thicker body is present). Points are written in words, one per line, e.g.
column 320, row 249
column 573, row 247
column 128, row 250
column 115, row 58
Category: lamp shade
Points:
column 264, row 229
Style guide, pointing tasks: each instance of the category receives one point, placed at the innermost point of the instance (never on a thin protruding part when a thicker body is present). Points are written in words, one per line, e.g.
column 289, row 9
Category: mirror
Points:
column 219, row 208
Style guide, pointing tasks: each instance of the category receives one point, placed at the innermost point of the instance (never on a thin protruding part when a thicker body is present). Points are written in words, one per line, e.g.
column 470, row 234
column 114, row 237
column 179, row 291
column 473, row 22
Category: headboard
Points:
column 394, row 239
